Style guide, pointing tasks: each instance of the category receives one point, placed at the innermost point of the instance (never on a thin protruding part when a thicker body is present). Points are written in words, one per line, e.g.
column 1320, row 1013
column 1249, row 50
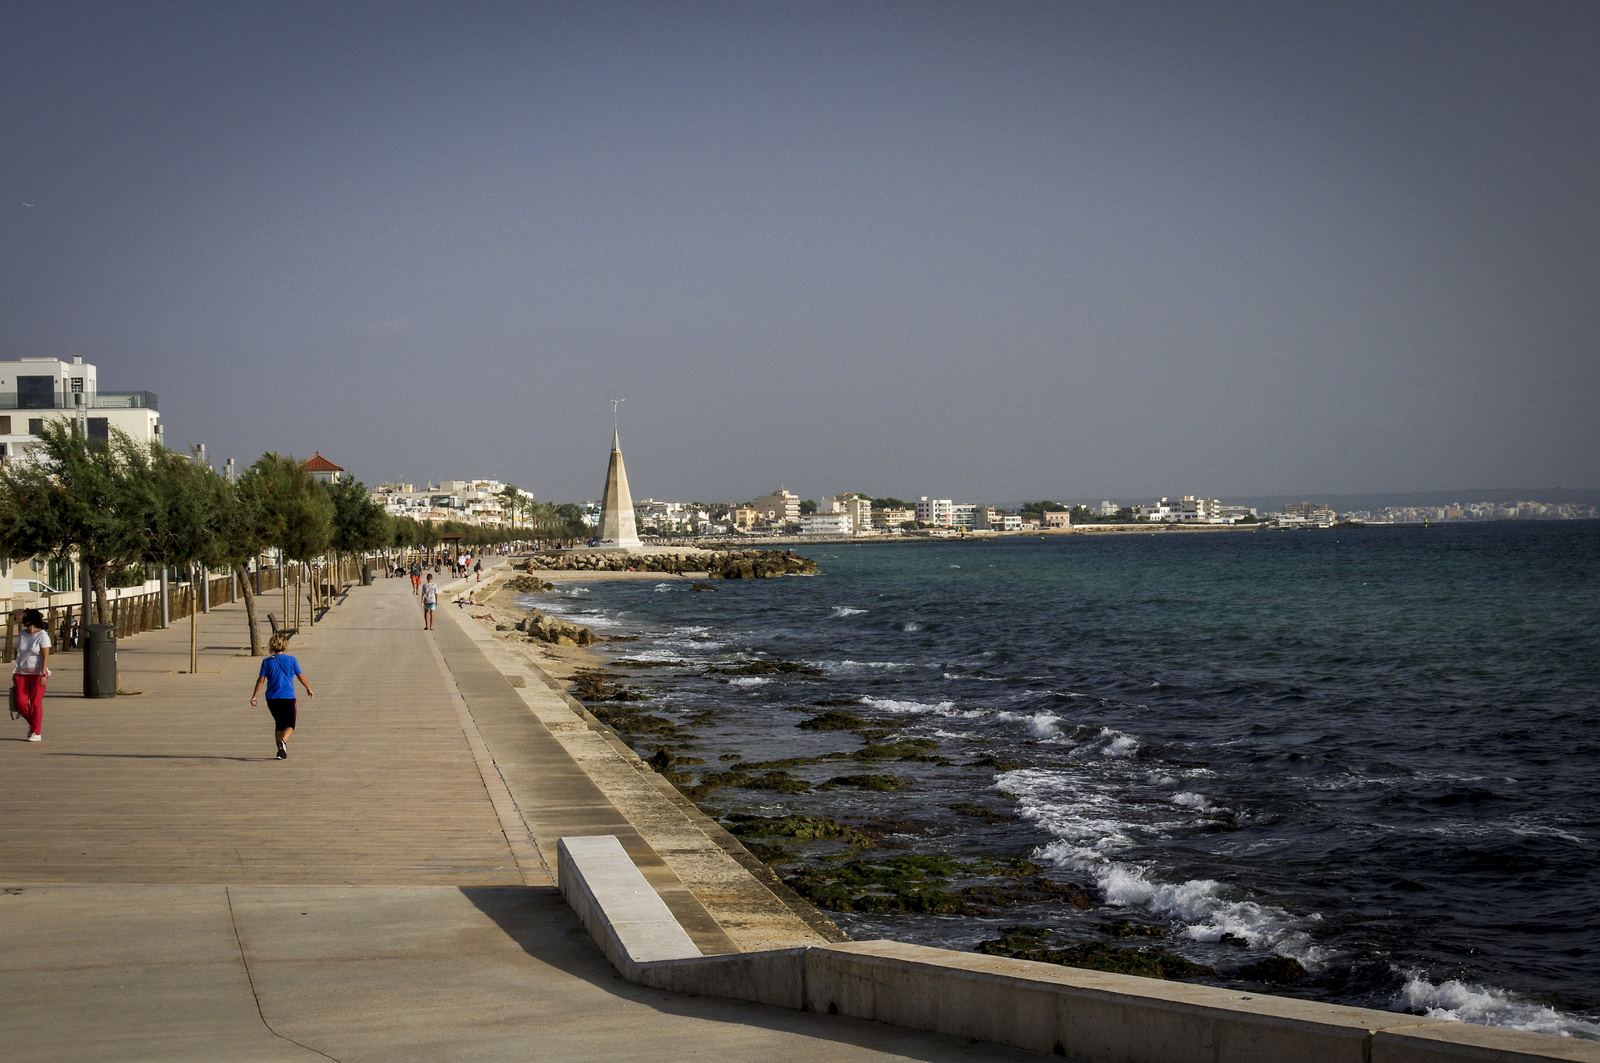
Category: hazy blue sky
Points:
column 988, row 251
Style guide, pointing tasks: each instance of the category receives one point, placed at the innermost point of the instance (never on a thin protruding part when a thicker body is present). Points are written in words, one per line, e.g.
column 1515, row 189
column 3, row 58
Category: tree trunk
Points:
column 250, row 611
column 102, row 598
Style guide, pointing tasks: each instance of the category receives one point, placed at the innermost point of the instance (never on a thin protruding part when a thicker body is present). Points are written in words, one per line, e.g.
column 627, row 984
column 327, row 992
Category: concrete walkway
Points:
column 169, row 891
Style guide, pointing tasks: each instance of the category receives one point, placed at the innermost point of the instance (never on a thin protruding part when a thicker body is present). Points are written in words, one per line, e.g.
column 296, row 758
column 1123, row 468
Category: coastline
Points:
column 740, row 713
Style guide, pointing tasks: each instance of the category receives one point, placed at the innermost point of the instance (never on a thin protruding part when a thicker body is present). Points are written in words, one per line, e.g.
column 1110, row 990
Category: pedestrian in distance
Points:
column 416, row 577
column 477, row 570
column 430, row 600
column 31, row 669
column 278, row 672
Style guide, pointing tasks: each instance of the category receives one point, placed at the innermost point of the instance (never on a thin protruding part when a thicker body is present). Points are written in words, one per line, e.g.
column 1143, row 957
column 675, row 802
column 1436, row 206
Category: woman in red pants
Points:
column 31, row 670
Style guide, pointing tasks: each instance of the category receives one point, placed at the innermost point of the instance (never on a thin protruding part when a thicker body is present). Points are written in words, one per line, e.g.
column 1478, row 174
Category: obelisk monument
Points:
column 617, row 528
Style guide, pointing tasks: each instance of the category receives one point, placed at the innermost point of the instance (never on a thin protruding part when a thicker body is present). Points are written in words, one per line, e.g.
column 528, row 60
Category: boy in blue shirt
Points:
column 278, row 672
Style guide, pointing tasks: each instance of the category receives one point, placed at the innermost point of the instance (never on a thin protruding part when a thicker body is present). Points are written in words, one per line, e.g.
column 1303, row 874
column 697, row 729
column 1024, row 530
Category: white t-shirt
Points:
column 430, row 593
column 30, row 655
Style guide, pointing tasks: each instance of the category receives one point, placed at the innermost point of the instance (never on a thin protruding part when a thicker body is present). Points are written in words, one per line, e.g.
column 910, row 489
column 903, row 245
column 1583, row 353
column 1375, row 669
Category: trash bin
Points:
column 99, row 662
column 366, row 575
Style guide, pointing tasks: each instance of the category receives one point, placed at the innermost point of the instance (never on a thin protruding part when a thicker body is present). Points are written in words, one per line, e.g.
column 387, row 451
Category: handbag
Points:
column 12, row 703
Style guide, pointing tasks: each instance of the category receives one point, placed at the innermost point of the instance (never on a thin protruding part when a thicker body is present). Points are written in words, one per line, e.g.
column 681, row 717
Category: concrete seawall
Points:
column 1078, row 1014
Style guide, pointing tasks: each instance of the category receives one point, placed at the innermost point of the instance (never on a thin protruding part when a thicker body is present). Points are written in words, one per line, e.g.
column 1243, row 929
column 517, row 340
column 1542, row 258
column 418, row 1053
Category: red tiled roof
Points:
column 318, row 463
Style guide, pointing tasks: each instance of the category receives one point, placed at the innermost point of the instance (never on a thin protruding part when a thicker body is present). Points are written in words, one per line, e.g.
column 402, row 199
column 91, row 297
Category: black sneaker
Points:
column 283, row 750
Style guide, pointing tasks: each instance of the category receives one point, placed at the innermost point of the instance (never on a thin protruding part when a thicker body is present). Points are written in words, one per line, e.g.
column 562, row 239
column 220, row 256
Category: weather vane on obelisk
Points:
column 614, row 404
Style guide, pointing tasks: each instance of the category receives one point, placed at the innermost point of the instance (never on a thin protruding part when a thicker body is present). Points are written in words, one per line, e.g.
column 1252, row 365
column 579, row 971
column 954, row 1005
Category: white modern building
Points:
column 825, row 524
column 1186, row 510
column 937, row 511
column 858, row 506
column 34, row 390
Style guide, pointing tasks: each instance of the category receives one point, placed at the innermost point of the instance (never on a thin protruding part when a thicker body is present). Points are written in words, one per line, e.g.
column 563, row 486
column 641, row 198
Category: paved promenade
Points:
column 170, row 891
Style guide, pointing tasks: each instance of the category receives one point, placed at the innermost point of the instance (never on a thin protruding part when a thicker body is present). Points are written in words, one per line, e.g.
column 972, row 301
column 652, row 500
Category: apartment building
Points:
column 34, row 390
column 936, row 511
column 782, row 507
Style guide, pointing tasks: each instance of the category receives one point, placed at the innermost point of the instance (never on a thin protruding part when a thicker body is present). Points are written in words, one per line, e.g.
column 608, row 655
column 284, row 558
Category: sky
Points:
column 988, row 251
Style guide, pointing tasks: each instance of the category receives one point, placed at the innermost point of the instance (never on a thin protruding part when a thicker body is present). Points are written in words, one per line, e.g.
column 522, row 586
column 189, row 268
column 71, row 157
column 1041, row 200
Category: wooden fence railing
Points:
column 312, row 590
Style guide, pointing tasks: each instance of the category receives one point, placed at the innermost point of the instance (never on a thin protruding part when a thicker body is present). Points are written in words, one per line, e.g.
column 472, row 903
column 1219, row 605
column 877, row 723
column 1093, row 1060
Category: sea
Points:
column 1370, row 750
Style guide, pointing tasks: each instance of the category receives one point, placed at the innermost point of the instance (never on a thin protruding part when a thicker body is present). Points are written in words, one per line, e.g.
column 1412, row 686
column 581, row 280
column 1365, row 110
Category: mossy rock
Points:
column 914, row 883
column 832, row 720
column 1132, row 930
column 1146, row 963
column 1276, row 970
column 765, row 668
column 905, row 749
column 779, row 781
column 874, row 783
column 799, row 828
column 973, row 811
column 997, row 764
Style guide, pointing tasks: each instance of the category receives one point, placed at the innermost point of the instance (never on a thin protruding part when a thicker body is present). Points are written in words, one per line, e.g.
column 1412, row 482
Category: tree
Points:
column 808, row 506
column 890, row 503
column 359, row 524
column 76, row 495
column 512, row 501
column 296, row 517
column 1039, row 509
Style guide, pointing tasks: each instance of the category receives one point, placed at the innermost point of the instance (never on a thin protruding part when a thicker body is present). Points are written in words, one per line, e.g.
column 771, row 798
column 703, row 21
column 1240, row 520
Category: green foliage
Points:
column 359, row 523
column 1038, row 509
column 291, row 511
column 74, row 494
column 808, row 506
column 891, row 503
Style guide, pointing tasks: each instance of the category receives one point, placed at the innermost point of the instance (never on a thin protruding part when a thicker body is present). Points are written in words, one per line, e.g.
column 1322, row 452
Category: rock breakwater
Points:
column 716, row 564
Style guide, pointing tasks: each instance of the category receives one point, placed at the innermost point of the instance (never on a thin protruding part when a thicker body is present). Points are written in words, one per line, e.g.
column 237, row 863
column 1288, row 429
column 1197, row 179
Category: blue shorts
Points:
column 427, row 607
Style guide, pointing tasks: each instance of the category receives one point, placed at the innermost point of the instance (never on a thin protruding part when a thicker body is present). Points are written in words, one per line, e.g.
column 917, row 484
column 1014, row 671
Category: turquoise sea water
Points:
column 1371, row 750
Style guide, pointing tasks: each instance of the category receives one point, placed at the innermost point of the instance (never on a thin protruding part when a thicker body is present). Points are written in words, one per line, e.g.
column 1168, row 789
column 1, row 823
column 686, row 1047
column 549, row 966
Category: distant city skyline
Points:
column 1005, row 252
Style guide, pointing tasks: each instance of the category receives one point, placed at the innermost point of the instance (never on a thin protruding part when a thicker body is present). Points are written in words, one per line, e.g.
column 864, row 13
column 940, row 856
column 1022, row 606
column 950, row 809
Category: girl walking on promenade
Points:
column 278, row 672
column 31, row 670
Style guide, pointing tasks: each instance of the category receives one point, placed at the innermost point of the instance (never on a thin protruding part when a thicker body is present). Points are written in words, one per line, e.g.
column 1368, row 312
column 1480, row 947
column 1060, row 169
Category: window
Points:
column 5, row 426
column 36, row 392
column 77, row 384
column 100, row 428
column 35, row 426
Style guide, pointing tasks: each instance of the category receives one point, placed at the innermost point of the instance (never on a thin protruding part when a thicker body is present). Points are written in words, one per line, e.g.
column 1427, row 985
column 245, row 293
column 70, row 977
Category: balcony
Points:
column 96, row 400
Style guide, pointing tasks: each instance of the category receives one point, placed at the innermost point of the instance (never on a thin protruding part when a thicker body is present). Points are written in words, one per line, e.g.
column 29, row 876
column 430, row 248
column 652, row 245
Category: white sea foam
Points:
column 1041, row 724
column 1464, row 1002
column 1093, row 825
column 911, row 625
column 1190, row 799
column 844, row 610
column 977, row 678
column 893, row 666
column 749, row 681
column 943, row 708
column 1120, row 746
column 663, row 587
